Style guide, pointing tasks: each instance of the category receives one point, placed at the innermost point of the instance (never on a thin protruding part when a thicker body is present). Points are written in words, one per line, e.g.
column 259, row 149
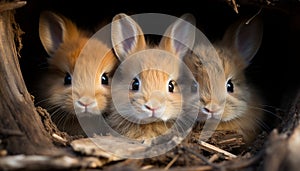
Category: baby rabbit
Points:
column 224, row 91
column 73, row 85
column 151, row 99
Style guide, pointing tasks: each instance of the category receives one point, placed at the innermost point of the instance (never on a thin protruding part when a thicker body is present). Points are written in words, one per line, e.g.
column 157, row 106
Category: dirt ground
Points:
column 223, row 150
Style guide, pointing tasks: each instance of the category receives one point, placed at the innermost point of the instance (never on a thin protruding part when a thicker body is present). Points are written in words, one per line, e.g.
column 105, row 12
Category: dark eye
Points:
column 68, row 79
column 229, row 86
column 104, row 79
column 171, row 86
column 135, row 84
column 194, row 86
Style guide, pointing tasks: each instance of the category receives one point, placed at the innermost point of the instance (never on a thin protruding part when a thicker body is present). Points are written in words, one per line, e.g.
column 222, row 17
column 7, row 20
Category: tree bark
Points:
column 21, row 129
column 282, row 148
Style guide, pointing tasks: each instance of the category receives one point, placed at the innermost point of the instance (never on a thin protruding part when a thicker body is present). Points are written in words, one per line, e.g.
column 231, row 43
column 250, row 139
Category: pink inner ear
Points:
column 128, row 44
column 183, row 37
column 57, row 35
column 248, row 40
column 244, row 42
column 128, row 34
column 179, row 47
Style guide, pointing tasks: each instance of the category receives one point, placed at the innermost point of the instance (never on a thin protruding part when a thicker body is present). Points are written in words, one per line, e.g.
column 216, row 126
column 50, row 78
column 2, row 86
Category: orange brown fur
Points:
column 154, row 67
column 241, row 111
column 153, row 80
column 85, row 71
column 241, row 108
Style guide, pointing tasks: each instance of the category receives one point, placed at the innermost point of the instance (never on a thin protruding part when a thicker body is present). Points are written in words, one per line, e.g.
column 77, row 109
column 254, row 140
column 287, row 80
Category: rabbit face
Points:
column 77, row 81
column 150, row 75
column 225, row 93
column 153, row 91
column 222, row 86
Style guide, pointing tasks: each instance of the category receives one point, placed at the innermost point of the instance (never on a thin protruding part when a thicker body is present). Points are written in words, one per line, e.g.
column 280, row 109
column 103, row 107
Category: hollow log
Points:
column 21, row 129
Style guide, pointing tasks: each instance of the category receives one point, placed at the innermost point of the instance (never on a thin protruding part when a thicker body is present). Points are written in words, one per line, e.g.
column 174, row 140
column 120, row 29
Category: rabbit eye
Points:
column 229, row 86
column 135, row 84
column 171, row 86
column 194, row 86
column 68, row 79
column 104, row 79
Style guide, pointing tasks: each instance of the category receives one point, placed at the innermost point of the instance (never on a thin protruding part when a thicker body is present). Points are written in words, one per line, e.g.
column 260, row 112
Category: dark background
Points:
column 275, row 69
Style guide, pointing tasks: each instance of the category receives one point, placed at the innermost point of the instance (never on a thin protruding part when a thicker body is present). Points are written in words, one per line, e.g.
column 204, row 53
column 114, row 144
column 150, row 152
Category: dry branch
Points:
column 213, row 148
column 282, row 149
column 17, row 111
column 38, row 163
column 5, row 6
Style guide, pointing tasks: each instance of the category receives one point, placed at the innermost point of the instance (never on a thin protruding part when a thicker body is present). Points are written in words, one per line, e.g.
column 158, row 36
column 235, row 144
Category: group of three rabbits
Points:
column 155, row 95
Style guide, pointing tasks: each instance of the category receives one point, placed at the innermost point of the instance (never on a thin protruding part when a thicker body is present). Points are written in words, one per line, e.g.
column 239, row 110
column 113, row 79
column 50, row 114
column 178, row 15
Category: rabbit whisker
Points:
column 265, row 110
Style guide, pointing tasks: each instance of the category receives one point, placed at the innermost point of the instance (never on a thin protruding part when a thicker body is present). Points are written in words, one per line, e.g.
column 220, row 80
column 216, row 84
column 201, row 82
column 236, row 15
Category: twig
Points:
column 214, row 158
column 11, row 5
column 36, row 162
column 256, row 14
column 204, row 159
column 235, row 8
column 240, row 164
column 147, row 167
column 210, row 147
column 228, row 141
column 171, row 162
column 59, row 138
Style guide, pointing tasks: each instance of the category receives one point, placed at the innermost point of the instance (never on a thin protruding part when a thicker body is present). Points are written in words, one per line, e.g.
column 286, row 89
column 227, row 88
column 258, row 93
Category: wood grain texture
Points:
column 17, row 111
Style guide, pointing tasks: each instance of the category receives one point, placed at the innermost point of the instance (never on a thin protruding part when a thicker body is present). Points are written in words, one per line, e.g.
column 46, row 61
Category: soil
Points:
column 190, row 154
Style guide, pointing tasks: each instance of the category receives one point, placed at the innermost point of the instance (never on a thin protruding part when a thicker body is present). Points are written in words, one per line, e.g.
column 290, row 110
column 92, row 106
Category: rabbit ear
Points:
column 52, row 30
column 246, row 37
column 180, row 36
column 127, row 36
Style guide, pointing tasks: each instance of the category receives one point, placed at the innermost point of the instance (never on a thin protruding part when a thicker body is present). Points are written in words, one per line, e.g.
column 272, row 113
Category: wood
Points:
column 11, row 5
column 20, row 126
column 282, row 148
column 42, row 162
column 89, row 147
column 213, row 148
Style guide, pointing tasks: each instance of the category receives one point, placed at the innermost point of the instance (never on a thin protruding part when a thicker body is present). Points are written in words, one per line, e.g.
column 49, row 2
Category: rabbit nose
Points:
column 150, row 108
column 85, row 102
column 211, row 109
column 152, row 105
column 206, row 110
